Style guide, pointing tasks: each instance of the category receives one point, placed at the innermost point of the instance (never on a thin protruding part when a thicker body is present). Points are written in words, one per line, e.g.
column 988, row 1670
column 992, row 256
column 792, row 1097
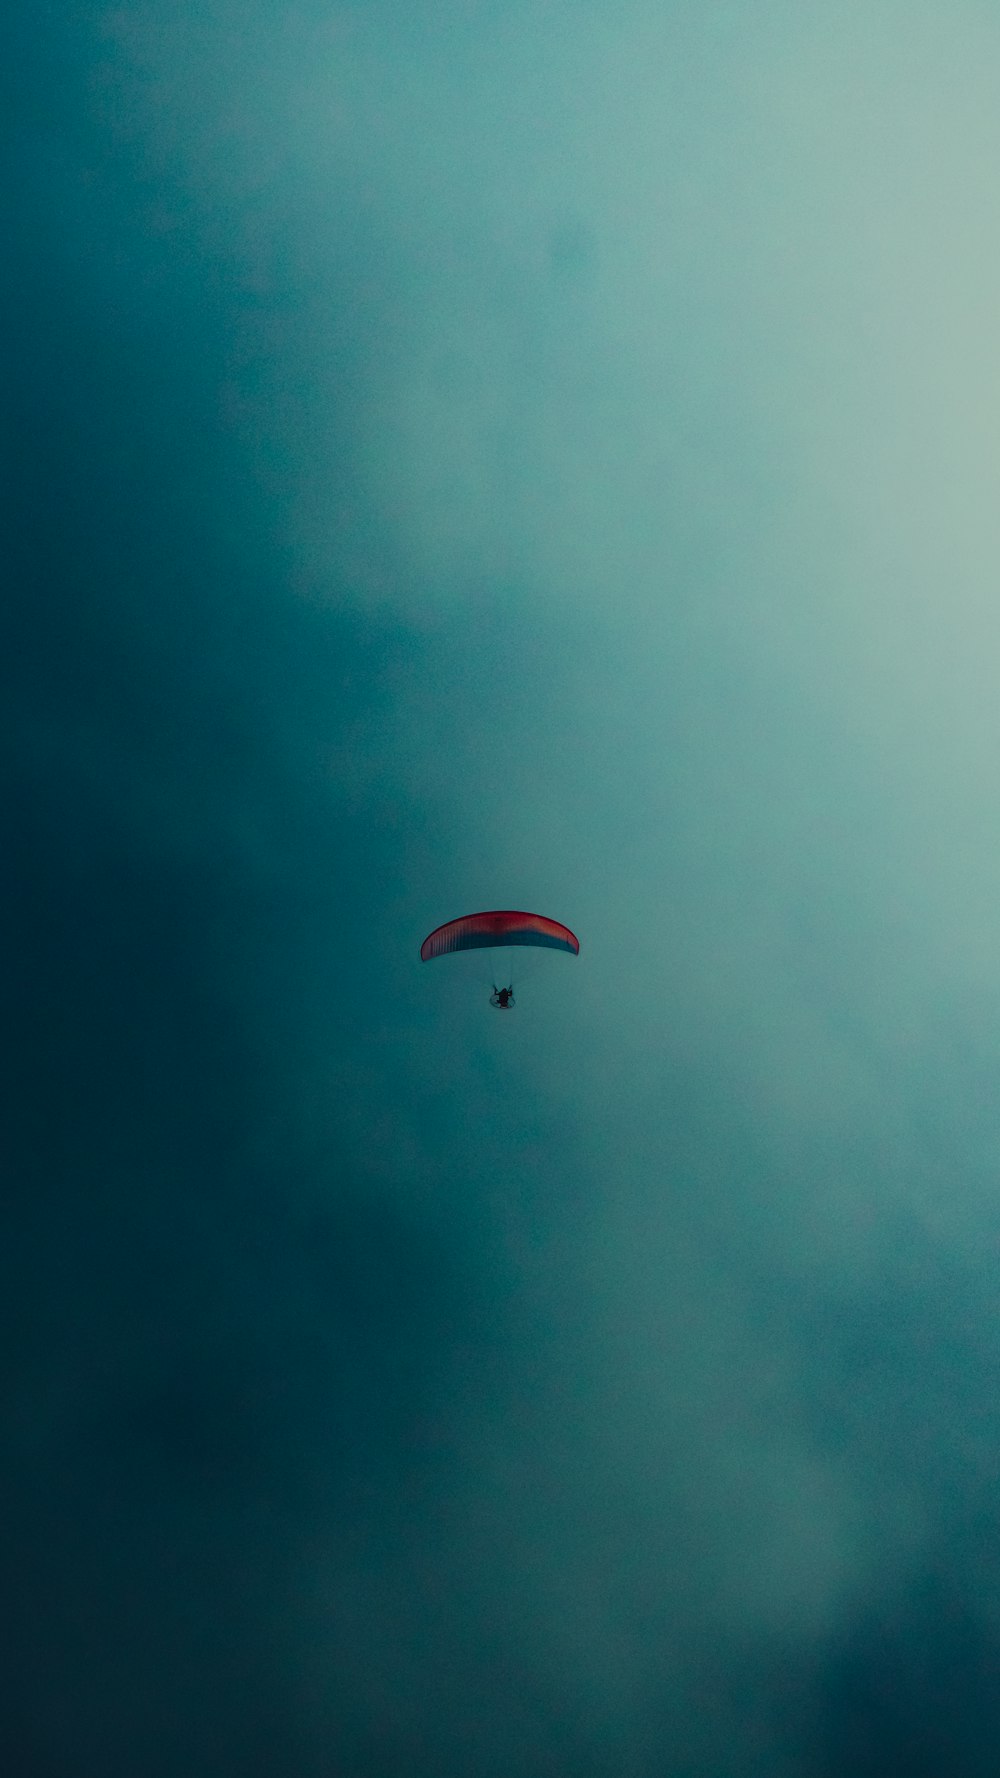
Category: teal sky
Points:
column 530, row 456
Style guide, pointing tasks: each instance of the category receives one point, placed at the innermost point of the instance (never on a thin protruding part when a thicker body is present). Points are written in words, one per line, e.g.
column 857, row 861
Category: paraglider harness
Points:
column 502, row 998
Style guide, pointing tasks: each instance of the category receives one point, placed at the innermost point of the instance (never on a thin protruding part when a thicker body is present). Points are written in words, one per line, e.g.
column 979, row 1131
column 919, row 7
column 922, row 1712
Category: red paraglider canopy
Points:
column 480, row 932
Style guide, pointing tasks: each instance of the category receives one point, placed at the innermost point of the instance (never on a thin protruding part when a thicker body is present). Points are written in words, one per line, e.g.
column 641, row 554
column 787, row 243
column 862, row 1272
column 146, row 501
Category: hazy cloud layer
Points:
column 504, row 456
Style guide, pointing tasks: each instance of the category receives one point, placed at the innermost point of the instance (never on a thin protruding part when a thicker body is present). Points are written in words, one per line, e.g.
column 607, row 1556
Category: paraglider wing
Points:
column 481, row 932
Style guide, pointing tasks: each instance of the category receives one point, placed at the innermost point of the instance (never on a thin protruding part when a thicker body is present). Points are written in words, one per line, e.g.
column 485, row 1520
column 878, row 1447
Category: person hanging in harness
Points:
column 502, row 997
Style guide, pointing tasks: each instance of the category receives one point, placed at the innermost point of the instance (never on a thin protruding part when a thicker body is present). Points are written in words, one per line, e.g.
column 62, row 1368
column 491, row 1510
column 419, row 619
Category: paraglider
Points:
column 491, row 931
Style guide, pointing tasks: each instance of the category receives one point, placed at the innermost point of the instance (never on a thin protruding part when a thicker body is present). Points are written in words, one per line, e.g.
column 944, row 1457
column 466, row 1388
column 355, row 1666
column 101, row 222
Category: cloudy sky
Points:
column 501, row 455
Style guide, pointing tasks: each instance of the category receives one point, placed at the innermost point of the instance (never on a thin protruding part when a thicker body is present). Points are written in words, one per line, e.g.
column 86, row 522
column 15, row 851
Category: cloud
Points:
column 520, row 460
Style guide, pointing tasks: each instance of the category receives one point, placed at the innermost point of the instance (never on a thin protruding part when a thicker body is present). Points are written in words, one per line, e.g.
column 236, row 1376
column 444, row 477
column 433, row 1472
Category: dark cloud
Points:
column 447, row 467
